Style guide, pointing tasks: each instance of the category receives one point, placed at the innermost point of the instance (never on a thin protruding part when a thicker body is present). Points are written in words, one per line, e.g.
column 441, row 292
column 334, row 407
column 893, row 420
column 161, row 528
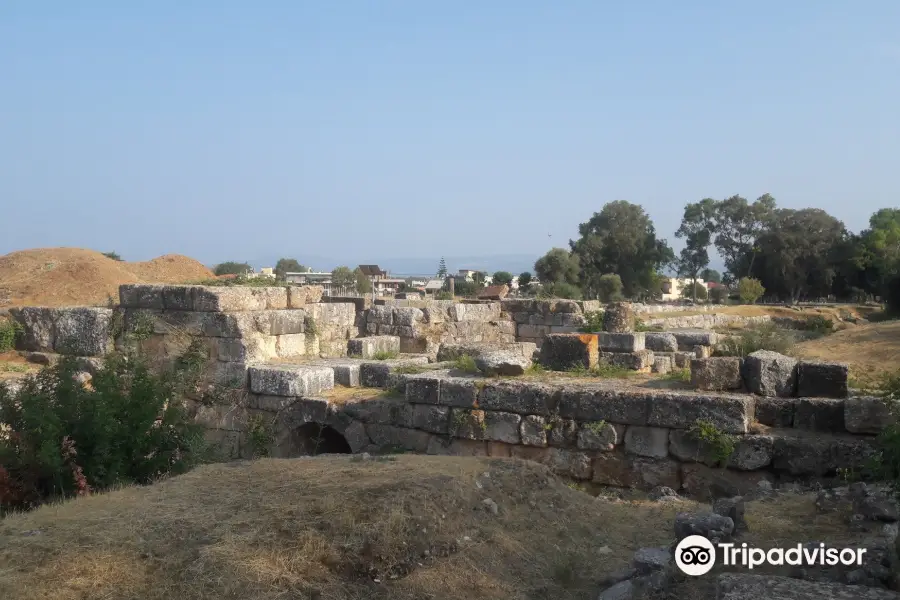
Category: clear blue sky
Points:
column 234, row 130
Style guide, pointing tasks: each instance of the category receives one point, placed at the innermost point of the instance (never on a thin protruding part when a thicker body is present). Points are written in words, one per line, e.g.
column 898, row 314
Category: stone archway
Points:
column 311, row 439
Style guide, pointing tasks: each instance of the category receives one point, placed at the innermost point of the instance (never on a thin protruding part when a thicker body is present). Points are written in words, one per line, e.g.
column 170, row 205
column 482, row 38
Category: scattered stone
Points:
column 732, row 508
column 649, row 560
column 662, row 364
column 769, row 373
column 822, row 379
column 721, row 373
column 502, row 362
column 712, row 526
column 740, row 586
column 491, row 506
column 877, row 508
column 662, row 493
column 660, row 342
column 621, row 342
column 369, row 347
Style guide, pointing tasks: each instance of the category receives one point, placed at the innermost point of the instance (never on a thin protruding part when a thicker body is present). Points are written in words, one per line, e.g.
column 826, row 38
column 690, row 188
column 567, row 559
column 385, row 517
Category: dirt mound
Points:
column 75, row 276
column 402, row 527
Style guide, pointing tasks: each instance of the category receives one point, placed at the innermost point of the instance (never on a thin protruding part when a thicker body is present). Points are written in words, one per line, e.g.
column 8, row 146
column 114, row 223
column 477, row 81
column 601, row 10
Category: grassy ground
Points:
column 400, row 527
column 870, row 349
column 12, row 365
column 755, row 310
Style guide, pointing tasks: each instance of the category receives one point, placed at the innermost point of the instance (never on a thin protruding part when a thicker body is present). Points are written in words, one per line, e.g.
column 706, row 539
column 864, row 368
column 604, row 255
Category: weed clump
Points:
column 466, row 364
column 763, row 336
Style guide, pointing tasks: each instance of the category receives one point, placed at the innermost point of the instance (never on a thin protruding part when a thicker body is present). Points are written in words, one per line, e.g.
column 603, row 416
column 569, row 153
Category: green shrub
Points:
column 443, row 296
column 763, row 336
column 718, row 294
column 609, row 288
column 817, row 324
column 750, row 290
column 10, row 329
column 681, row 375
column 241, row 280
column 385, row 355
column 65, row 439
column 713, row 442
column 466, row 364
column 560, row 290
column 593, row 321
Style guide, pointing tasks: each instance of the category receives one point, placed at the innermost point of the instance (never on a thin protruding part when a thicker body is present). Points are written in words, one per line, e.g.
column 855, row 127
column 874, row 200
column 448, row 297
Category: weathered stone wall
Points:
column 73, row 331
column 603, row 432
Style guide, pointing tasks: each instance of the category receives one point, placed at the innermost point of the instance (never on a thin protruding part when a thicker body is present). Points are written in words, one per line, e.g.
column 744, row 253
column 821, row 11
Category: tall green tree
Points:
column 525, row 279
column 796, row 256
column 620, row 239
column 738, row 225
column 232, row 268
column 288, row 265
column 363, row 283
column 711, row 275
column 557, row 266
column 343, row 277
column 882, row 245
column 502, row 278
column 442, row 269
column 697, row 227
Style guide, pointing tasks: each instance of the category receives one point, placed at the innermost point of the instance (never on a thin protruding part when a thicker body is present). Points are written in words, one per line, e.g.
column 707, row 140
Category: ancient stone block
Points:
column 662, row 363
column 468, row 424
column 709, row 483
column 502, row 427
column 563, row 351
column 721, row 373
column 82, row 331
column 459, row 392
column 179, row 297
column 381, row 373
column 357, row 437
column 731, row 413
column 290, row 345
column 599, row 435
column 387, row 436
column 290, row 380
column 627, row 407
column 621, row 342
column 569, row 463
column 652, row 442
column 660, row 342
column 687, row 339
column 822, row 379
column 614, row 469
column 346, row 374
column 775, row 412
column 502, row 362
column 423, row 389
column 222, row 299
column 475, row 312
column 640, row 360
column 769, row 373
column 533, row 430
column 621, row 470
column 820, row 454
column 752, row 452
column 523, row 397
column 618, row 317
column 563, row 432
column 709, row 525
column 533, row 331
column 218, row 416
column 431, row 418
column 141, row 295
column 300, row 296
column 702, row 351
column 269, row 403
column 369, row 347
column 867, row 414
column 282, row 322
column 38, row 328
column 407, row 316
column 819, row 414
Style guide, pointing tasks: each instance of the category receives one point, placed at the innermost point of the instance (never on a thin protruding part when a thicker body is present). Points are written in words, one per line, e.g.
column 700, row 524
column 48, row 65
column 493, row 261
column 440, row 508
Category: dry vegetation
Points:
column 757, row 310
column 75, row 276
column 13, row 366
column 399, row 527
column 870, row 349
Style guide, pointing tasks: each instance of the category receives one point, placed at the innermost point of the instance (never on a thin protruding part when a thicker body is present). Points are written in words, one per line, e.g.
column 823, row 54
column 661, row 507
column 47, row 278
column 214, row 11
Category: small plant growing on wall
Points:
column 712, row 442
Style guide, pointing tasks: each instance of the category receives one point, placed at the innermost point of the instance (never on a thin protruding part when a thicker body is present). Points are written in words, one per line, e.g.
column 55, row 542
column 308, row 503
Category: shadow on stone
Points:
column 312, row 439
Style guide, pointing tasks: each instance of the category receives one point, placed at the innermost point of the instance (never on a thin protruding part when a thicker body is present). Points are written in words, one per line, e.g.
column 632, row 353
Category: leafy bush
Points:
column 763, row 336
column 712, row 441
column 232, row 268
column 817, row 324
column 385, row 355
column 443, row 296
column 892, row 297
column 112, row 255
column 750, row 290
column 9, row 331
column 560, row 290
column 609, row 288
column 718, row 294
column 466, row 364
column 62, row 438
column 687, row 292
column 593, row 321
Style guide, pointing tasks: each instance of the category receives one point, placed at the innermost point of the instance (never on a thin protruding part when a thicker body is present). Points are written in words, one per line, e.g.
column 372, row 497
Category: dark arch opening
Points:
column 313, row 439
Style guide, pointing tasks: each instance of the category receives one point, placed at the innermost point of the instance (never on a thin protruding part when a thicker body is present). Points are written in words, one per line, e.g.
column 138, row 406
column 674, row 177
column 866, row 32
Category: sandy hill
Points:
column 75, row 276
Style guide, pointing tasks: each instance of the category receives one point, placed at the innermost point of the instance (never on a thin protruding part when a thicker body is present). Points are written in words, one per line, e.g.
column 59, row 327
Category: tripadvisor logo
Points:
column 695, row 555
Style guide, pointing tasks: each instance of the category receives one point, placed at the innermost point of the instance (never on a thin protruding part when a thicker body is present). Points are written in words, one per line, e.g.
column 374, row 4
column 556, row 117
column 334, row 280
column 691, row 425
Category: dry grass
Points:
column 75, row 276
column 757, row 310
column 869, row 349
column 12, row 366
column 401, row 527
column 329, row 528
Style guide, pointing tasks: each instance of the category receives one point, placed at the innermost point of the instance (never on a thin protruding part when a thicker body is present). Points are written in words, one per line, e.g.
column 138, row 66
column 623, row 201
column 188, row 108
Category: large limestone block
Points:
column 139, row 295
column 525, row 397
column 621, row 342
column 368, row 347
column 300, row 296
column 651, row 442
column 236, row 298
column 502, row 362
column 640, row 360
column 822, row 379
column 660, row 342
column 731, row 413
column 563, row 351
column 284, row 380
column 382, row 373
column 819, row 414
column 719, row 373
column 768, row 373
column 38, row 328
column 776, row 412
column 696, row 337
column 867, row 414
column 83, row 331
column 475, row 312
column 820, row 453
column 618, row 318
column 626, row 407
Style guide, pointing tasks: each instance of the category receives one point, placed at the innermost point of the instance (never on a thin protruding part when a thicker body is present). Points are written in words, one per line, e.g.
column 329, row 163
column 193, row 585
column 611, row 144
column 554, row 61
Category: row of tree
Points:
column 794, row 254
